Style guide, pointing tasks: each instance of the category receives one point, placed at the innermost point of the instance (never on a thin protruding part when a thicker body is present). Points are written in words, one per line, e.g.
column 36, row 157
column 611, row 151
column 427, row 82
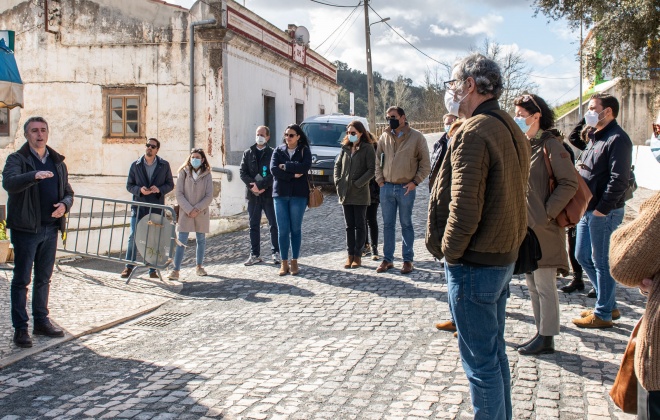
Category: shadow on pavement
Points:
column 224, row 288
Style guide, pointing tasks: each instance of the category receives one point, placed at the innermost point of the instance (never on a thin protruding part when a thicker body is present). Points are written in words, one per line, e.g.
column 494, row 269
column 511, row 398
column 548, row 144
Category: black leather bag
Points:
column 529, row 254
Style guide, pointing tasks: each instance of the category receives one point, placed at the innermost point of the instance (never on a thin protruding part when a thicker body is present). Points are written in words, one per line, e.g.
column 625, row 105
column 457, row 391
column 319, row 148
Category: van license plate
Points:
column 316, row 171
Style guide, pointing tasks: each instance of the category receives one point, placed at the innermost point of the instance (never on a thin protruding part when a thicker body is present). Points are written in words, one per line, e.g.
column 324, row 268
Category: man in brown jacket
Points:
column 402, row 163
column 477, row 221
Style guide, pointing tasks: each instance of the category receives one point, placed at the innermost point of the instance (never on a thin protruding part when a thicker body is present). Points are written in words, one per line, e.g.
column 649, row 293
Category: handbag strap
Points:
column 552, row 181
column 513, row 138
column 310, row 183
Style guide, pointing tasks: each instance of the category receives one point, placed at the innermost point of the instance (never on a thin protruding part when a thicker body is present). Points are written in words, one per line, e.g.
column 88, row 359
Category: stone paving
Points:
column 244, row 343
column 86, row 296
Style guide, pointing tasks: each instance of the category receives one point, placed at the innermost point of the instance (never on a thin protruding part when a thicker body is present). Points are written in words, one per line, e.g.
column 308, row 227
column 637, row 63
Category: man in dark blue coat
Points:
column 258, row 180
column 149, row 180
column 37, row 182
column 605, row 166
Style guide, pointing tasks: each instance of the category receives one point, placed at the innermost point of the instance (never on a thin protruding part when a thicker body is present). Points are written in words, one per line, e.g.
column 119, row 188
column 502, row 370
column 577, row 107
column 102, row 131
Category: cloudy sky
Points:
column 442, row 29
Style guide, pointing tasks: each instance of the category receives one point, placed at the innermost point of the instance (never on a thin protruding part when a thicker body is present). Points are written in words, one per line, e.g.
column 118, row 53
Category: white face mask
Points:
column 260, row 140
column 591, row 118
column 452, row 105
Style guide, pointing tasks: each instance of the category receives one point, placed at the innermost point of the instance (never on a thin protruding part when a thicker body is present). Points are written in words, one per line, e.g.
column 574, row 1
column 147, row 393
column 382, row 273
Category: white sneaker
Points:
column 200, row 271
column 252, row 260
column 276, row 258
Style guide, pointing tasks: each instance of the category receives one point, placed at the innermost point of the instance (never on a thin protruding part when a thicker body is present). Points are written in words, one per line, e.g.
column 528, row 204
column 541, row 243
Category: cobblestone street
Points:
column 328, row 344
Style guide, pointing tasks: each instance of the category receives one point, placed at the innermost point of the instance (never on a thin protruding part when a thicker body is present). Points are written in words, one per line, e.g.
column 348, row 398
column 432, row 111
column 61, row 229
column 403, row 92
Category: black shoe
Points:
column 22, row 339
column 540, row 345
column 48, row 330
column 592, row 293
column 573, row 286
column 518, row 346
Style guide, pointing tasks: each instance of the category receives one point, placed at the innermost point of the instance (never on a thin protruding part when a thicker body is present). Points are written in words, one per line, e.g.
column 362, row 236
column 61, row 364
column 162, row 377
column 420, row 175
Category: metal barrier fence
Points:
column 100, row 228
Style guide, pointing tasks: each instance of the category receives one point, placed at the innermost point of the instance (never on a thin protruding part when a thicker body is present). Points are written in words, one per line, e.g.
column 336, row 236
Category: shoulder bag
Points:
column 577, row 206
column 529, row 252
column 624, row 389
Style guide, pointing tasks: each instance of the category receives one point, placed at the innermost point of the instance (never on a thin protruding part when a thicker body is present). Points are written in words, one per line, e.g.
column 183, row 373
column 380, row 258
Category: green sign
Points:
column 8, row 37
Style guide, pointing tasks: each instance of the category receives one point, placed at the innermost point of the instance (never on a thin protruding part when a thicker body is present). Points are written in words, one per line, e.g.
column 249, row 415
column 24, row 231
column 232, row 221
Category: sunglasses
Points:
column 393, row 117
column 527, row 98
column 290, row 135
column 151, row 146
column 352, row 133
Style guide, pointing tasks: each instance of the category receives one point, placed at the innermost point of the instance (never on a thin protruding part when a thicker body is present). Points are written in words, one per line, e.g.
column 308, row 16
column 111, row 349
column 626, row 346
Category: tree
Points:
column 383, row 97
column 626, row 34
column 402, row 97
column 515, row 73
column 432, row 107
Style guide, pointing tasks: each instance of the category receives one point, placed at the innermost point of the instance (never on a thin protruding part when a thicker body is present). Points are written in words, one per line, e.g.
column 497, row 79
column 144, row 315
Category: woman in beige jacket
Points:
column 194, row 192
column 535, row 119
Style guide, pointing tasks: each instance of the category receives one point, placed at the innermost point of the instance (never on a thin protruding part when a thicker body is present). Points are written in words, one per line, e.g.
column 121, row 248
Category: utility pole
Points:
column 370, row 78
column 580, row 109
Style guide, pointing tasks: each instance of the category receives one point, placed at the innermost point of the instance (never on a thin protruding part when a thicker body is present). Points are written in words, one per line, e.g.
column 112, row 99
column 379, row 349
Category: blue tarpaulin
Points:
column 11, row 85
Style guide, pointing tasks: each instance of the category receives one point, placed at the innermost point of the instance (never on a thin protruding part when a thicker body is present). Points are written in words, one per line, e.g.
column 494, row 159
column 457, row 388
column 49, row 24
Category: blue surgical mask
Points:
column 196, row 163
column 522, row 123
column 353, row 138
column 447, row 127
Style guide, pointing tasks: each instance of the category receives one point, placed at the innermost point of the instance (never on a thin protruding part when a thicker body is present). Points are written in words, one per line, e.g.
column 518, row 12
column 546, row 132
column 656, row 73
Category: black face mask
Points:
column 394, row 123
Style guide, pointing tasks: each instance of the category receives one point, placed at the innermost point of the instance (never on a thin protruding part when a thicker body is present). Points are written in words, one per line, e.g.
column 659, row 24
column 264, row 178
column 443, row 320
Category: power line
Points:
column 547, row 77
column 556, row 101
column 334, row 5
column 336, row 43
column 342, row 24
column 401, row 36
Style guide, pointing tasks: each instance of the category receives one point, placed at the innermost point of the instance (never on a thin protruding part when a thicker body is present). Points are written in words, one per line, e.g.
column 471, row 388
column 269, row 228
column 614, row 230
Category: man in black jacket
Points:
column 255, row 173
column 37, row 182
column 149, row 180
column 605, row 166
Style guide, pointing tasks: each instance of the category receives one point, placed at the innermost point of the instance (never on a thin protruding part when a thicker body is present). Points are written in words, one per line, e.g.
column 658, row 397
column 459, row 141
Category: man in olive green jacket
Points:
column 403, row 162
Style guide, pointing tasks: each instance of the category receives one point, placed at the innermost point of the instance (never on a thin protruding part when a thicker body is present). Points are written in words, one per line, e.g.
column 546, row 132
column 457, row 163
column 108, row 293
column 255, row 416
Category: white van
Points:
column 325, row 133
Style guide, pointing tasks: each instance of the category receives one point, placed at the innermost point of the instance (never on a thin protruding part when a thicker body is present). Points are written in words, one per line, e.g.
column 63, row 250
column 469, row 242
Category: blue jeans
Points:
column 289, row 212
column 30, row 249
column 392, row 197
column 592, row 245
column 478, row 303
column 255, row 206
column 199, row 255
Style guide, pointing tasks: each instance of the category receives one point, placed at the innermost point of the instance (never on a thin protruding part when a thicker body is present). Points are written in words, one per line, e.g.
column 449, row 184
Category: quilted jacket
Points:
column 477, row 209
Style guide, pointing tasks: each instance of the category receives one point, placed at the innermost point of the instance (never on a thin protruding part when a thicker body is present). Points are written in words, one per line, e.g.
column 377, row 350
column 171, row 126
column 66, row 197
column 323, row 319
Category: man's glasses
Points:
column 352, row 133
column 391, row 117
column 527, row 98
column 452, row 84
column 290, row 135
column 151, row 146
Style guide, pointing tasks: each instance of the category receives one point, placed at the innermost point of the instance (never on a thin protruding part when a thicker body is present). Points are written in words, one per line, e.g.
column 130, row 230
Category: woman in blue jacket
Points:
column 289, row 165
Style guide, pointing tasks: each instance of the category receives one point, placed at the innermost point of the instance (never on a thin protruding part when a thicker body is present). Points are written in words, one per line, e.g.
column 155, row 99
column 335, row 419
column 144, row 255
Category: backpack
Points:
column 577, row 206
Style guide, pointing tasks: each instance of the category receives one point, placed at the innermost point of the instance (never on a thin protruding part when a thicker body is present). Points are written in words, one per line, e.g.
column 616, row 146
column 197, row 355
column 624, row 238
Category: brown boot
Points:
column 294, row 267
column 284, row 268
column 592, row 321
column 357, row 262
column 446, row 326
column 349, row 261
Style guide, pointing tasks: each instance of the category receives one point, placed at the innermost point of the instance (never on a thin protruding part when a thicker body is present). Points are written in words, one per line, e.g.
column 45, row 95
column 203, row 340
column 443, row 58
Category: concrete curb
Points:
column 69, row 337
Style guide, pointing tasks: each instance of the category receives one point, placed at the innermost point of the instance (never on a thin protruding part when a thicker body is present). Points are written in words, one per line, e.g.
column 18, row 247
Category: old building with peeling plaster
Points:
column 108, row 74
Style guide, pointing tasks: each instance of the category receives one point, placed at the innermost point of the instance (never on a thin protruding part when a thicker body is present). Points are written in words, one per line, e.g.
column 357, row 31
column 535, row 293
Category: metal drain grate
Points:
column 162, row 320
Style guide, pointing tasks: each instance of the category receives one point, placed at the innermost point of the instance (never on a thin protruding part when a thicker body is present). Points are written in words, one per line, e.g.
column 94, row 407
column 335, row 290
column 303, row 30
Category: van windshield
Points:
column 324, row 134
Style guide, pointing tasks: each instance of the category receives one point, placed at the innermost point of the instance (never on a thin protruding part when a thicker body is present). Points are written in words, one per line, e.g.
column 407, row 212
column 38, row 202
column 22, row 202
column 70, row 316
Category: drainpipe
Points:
column 192, row 76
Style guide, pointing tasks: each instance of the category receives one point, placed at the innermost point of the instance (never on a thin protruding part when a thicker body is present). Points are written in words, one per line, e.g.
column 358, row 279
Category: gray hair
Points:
column 485, row 72
column 31, row 120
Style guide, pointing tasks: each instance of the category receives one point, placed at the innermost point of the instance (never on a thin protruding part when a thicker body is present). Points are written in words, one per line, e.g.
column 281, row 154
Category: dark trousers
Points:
column 255, row 207
column 372, row 225
column 577, row 268
column 356, row 228
column 648, row 404
column 30, row 249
